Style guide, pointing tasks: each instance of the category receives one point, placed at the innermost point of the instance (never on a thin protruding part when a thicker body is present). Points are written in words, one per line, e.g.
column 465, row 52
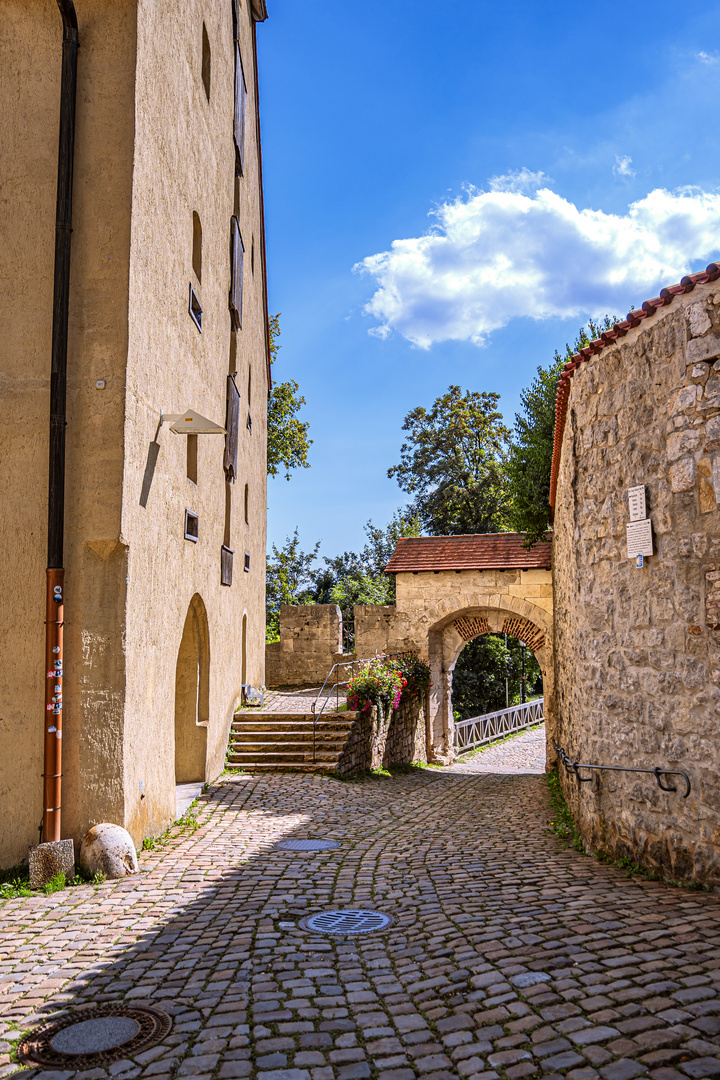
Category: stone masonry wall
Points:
column 637, row 651
column 400, row 742
column 310, row 643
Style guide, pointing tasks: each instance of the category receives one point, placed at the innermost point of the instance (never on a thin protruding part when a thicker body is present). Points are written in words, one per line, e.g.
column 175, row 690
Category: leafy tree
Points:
column 287, row 436
column 288, row 580
column 454, row 463
column 480, row 673
column 530, row 461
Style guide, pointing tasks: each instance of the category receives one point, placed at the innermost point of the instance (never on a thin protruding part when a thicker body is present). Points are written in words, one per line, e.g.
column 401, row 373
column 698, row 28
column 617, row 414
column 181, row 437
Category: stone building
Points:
column 449, row 590
column 637, row 647
column 164, row 532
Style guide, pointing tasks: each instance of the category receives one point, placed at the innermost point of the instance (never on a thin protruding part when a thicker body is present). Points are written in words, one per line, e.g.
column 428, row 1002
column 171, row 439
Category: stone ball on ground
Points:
column 109, row 849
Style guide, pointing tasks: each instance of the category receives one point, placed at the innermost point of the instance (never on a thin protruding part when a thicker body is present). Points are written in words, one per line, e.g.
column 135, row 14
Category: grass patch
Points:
column 15, row 883
column 563, row 823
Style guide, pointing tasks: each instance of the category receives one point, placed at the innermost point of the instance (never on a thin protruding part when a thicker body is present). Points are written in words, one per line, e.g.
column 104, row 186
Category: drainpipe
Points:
column 55, row 574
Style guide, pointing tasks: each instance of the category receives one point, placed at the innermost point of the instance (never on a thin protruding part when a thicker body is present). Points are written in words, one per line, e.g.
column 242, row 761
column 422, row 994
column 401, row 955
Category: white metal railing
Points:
column 478, row 730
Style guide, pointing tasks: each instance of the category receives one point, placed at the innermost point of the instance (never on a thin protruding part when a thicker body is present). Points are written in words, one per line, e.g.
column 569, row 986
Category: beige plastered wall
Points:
column 184, row 162
column 149, row 149
column 95, row 577
column 637, row 651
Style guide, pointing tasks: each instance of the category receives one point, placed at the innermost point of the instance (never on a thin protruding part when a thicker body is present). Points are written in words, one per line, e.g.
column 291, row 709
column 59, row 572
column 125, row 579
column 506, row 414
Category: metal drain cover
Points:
column 94, row 1037
column 308, row 845
column 347, row 921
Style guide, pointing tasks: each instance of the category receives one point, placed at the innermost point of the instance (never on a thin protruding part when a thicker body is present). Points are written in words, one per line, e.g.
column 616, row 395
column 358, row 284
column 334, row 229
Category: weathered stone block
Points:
column 50, row 859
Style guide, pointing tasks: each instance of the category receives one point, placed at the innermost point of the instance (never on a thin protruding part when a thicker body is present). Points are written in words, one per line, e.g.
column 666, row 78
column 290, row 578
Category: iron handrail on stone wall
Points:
column 478, row 730
column 657, row 772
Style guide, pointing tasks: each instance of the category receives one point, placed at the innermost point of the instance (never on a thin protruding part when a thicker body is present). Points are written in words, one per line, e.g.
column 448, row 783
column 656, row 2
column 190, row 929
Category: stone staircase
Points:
column 271, row 741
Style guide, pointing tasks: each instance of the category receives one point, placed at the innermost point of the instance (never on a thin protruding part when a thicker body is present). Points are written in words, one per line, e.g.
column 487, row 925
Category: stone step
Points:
column 280, row 757
column 264, row 766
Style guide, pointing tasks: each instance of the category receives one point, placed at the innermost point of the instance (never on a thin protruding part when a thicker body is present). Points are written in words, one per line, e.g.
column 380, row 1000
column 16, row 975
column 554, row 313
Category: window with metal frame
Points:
column 237, row 255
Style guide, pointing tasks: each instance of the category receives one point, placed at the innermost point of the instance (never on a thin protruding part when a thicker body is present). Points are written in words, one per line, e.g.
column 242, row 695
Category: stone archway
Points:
column 192, row 696
column 448, row 636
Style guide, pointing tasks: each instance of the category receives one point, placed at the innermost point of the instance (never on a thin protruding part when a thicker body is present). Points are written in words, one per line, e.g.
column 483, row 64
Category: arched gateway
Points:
column 449, row 590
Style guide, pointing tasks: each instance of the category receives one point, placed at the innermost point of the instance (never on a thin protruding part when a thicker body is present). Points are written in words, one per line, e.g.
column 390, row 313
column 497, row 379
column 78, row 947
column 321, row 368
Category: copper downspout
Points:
column 55, row 576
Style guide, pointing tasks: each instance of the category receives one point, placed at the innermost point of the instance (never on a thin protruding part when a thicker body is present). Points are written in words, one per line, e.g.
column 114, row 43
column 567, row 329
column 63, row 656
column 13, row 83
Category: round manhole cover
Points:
column 94, row 1037
column 347, row 921
column 308, row 845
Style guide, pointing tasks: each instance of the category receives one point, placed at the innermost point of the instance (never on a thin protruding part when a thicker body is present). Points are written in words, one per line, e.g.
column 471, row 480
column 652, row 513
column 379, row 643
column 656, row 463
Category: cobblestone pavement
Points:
column 509, row 956
column 288, row 701
column 524, row 753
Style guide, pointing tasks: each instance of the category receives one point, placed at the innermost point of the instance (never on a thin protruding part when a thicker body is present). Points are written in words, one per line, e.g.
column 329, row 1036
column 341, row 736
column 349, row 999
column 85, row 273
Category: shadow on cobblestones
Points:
column 509, row 956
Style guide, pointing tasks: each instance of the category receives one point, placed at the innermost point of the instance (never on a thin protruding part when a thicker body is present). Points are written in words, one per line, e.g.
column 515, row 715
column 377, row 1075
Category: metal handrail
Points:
column 335, row 688
column 344, row 682
column 478, row 730
column 657, row 772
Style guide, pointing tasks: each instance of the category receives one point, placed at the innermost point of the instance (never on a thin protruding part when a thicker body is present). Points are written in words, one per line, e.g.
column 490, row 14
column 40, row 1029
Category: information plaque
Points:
column 636, row 502
column 639, row 538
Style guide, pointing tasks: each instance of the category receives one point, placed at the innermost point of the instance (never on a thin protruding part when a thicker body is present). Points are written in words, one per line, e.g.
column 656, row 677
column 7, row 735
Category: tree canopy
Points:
column 287, row 436
column 530, row 460
column 454, row 463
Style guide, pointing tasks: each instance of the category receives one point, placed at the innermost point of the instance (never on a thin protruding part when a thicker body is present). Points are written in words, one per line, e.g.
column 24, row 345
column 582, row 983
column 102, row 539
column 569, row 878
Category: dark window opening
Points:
column 248, row 423
column 195, row 309
column 237, row 255
column 197, row 246
column 192, row 458
column 249, row 384
column 246, row 566
column 247, row 512
column 252, row 255
column 206, row 57
column 232, row 426
column 226, row 565
column 192, row 531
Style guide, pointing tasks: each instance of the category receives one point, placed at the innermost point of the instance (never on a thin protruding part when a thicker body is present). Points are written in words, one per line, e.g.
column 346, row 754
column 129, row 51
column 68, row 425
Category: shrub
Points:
column 377, row 683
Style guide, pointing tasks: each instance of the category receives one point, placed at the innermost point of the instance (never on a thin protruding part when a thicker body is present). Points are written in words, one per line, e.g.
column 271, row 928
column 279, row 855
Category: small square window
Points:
column 226, row 565
column 246, row 566
column 192, row 531
column 195, row 309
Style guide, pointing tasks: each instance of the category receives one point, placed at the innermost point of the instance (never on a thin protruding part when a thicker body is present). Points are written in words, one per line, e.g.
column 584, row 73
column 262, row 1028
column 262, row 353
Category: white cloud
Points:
column 497, row 255
column 708, row 58
column 522, row 180
column 622, row 166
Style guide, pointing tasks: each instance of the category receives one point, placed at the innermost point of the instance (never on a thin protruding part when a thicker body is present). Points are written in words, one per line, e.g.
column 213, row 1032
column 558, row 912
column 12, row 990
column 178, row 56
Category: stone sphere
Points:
column 109, row 849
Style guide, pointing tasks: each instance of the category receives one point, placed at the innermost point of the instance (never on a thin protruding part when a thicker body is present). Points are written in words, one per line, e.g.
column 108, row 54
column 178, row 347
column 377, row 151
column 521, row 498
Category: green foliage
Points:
column 454, row 464
column 378, row 683
column 530, row 460
column 480, row 673
column 360, row 578
column 415, row 672
column 287, row 436
column 288, row 580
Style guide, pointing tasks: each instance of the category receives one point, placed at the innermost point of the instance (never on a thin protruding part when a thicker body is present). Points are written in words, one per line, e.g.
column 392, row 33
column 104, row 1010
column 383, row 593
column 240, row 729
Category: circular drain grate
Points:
column 92, row 1037
column 308, row 845
column 347, row 921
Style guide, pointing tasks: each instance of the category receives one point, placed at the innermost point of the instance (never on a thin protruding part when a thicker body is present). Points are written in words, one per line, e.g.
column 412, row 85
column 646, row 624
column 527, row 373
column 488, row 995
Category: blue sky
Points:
column 494, row 174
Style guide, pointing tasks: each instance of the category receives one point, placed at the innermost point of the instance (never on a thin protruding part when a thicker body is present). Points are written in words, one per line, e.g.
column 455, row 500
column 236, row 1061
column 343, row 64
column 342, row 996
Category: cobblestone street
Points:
column 509, row 956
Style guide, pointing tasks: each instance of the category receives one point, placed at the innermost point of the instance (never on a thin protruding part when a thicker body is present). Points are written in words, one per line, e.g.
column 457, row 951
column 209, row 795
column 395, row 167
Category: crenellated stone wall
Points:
column 637, row 650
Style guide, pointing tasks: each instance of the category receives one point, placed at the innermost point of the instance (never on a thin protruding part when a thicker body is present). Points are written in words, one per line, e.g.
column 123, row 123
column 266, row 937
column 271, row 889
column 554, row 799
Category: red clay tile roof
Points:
column 619, row 330
column 474, row 551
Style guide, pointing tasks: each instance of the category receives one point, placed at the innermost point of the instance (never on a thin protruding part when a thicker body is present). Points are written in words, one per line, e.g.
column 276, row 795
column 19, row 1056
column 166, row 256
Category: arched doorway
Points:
column 519, row 619
column 192, row 696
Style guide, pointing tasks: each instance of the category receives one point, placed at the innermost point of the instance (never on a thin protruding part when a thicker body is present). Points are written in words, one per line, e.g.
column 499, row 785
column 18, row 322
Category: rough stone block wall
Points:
column 400, row 741
column 310, row 641
column 637, row 650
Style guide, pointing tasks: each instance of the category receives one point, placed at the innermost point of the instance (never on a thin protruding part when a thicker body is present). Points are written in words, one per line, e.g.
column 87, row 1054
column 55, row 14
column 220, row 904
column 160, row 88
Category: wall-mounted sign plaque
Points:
column 639, row 538
column 636, row 502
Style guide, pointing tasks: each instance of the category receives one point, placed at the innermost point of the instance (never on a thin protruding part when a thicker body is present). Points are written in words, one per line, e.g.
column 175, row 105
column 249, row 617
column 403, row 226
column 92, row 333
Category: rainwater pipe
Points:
column 55, row 583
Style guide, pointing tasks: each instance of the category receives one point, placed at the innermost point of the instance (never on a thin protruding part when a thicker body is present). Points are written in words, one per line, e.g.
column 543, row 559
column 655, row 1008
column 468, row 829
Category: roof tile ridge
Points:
column 619, row 329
